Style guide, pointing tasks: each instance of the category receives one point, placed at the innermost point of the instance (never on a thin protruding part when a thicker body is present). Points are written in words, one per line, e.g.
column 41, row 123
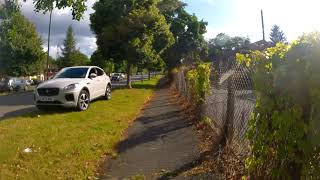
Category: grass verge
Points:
column 66, row 144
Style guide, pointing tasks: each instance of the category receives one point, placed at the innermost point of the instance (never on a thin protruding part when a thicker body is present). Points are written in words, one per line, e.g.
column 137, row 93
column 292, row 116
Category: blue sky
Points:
column 242, row 17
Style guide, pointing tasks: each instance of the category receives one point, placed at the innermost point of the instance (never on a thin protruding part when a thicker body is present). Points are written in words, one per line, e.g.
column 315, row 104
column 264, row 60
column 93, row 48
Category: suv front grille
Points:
column 48, row 91
column 49, row 102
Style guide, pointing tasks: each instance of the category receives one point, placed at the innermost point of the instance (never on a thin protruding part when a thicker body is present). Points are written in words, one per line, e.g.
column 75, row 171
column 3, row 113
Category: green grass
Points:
column 67, row 144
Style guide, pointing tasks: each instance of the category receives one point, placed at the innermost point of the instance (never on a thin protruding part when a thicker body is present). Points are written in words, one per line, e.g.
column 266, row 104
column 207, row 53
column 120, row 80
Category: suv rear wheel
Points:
column 83, row 100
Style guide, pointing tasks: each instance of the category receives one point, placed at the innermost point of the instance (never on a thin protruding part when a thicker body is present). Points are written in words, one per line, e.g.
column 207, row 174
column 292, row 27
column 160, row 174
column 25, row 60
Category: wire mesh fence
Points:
column 230, row 101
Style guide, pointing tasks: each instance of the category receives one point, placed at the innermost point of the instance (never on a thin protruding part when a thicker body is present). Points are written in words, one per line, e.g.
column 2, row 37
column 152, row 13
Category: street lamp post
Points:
column 47, row 69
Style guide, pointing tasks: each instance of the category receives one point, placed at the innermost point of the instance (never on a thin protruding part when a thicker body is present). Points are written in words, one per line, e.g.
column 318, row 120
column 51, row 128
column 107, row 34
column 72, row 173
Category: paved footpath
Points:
column 161, row 144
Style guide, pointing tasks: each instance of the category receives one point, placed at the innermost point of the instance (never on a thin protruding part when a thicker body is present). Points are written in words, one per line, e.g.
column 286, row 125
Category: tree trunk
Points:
column 129, row 76
column 149, row 74
column 141, row 76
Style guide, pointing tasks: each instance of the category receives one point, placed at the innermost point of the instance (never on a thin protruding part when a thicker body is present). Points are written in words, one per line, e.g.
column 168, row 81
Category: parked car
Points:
column 4, row 85
column 117, row 77
column 15, row 84
column 36, row 82
column 73, row 87
column 29, row 82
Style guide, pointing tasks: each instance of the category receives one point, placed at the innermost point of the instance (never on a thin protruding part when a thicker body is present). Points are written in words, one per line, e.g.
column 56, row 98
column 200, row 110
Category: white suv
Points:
column 74, row 87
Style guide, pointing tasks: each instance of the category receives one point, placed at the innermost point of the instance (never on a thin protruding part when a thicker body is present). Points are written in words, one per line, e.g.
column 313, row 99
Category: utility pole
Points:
column 262, row 25
column 48, row 55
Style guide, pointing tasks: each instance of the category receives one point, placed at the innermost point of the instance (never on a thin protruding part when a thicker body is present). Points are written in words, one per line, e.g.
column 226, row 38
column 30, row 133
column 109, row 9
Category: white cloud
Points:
column 293, row 16
column 61, row 19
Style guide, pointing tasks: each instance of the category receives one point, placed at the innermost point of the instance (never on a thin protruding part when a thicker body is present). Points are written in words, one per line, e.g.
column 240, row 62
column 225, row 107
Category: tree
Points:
column 21, row 51
column 78, row 7
column 277, row 35
column 69, row 47
column 98, row 60
column 190, row 44
column 70, row 55
column 153, row 66
column 223, row 48
column 8, row 8
column 130, row 31
column 78, row 58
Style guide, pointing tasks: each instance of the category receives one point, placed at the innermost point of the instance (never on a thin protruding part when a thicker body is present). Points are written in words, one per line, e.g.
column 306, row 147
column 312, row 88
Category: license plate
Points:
column 48, row 99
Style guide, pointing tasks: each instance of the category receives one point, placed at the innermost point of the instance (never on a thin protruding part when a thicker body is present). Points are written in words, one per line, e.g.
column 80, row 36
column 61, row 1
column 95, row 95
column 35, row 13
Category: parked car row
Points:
column 15, row 84
column 117, row 76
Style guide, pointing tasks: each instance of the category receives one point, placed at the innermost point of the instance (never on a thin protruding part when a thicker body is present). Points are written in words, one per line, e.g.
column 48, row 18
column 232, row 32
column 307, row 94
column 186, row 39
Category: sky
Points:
column 233, row 17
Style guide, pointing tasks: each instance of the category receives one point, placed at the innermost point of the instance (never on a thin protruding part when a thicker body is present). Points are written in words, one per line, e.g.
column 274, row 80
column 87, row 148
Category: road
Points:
column 244, row 102
column 18, row 104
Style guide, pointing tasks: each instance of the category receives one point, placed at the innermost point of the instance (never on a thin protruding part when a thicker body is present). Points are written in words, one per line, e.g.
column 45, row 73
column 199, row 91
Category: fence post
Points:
column 228, row 125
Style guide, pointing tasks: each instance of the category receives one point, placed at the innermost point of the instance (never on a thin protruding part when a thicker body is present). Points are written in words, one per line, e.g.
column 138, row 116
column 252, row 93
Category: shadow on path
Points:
column 161, row 139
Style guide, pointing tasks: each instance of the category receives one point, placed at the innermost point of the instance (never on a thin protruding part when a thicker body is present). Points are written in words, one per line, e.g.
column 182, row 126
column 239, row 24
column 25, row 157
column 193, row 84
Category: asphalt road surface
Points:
column 18, row 104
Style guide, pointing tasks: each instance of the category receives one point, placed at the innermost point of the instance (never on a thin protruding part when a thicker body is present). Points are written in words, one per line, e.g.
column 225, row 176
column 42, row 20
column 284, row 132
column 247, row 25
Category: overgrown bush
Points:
column 284, row 128
column 199, row 81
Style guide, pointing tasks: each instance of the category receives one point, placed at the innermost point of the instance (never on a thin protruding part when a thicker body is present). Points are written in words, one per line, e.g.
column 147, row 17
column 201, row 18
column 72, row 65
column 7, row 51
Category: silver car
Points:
column 74, row 87
column 15, row 84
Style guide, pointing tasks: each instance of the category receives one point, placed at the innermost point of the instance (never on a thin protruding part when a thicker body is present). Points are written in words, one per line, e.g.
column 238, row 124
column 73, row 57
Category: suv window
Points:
column 73, row 73
column 100, row 72
column 93, row 70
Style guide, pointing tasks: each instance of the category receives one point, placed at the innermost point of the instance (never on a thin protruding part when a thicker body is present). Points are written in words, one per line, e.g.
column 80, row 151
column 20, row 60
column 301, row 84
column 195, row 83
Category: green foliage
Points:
column 207, row 120
column 20, row 47
column 98, row 60
column 276, row 35
column 69, row 44
column 78, row 7
column 70, row 55
column 188, row 32
column 222, row 47
column 8, row 8
column 284, row 128
column 134, row 31
column 199, row 81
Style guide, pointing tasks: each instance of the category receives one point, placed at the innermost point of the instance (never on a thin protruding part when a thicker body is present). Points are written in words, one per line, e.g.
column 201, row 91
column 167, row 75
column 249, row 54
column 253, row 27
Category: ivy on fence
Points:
column 199, row 81
column 284, row 130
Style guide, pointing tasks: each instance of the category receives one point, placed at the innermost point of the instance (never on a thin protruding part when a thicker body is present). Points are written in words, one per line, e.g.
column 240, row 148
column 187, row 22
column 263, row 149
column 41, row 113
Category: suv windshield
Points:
column 73, row 73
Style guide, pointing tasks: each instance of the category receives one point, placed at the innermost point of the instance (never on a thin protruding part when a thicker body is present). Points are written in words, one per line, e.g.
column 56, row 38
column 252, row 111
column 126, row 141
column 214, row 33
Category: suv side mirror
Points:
column 92, row 75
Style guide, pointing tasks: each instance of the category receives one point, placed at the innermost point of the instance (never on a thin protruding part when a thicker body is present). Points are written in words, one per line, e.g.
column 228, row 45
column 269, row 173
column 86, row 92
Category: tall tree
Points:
column 8, row 8
column 20, row 46
column 69, row 47
column 277, row 35
column 130, row 30
column 223, row 48
column 188, row 32
column 71, row 56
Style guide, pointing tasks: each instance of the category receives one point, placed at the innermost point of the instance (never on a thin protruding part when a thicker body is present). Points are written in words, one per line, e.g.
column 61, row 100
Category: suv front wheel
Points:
column 83, row 100
column 108, row 95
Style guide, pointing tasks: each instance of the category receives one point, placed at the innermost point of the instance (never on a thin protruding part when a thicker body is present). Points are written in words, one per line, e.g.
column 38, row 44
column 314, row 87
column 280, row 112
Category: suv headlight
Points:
column 71, row 87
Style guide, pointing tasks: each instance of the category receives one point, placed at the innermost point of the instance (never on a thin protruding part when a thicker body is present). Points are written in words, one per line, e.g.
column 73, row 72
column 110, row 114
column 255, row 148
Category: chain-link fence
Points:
column 230, row 101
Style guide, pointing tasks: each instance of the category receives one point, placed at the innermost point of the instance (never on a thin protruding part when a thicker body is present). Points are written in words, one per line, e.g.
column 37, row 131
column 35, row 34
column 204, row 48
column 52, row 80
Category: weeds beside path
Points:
column 65, row 144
